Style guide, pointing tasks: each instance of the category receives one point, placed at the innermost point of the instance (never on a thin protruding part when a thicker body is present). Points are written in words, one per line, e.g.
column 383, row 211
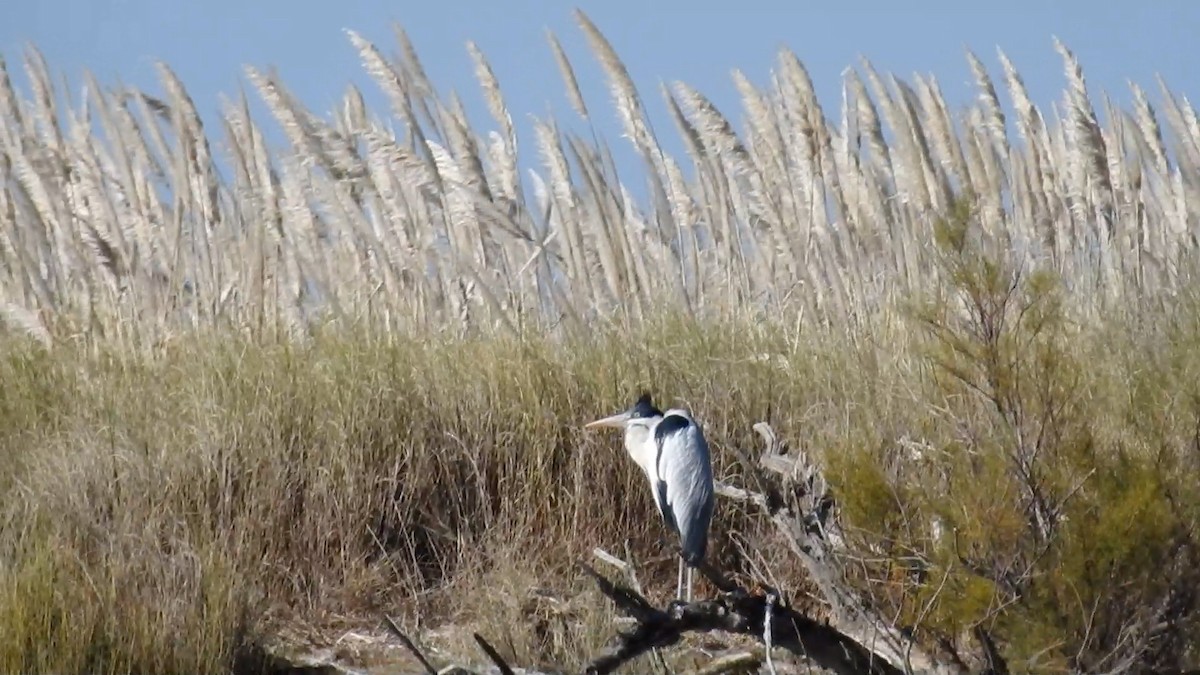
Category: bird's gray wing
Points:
column 685, row 474
column 666, row 431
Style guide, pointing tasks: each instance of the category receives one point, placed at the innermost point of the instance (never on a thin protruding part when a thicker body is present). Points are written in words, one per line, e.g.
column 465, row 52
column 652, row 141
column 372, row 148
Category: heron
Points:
column 671, row 450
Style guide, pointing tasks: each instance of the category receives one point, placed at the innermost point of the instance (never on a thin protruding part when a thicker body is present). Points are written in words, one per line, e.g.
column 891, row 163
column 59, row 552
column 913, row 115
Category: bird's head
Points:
column 641, row 412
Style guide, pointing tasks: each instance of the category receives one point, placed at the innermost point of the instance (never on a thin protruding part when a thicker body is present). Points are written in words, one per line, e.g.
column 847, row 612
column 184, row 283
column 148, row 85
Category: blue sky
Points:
column 208, row 43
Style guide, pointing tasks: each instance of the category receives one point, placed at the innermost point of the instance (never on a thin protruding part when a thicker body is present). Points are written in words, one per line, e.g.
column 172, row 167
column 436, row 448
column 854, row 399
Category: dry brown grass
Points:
column 350, row 377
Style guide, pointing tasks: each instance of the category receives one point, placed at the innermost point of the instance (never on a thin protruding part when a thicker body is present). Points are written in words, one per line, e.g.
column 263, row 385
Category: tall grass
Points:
column 350, row 376
column 116, row 221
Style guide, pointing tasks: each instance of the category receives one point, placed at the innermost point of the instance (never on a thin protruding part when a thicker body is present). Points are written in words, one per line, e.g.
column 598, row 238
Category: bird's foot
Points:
column 676, row 608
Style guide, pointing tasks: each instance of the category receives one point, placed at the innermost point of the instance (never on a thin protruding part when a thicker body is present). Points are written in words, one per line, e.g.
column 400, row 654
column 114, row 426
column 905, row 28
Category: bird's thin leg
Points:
column 689, row 582
column 679, row 584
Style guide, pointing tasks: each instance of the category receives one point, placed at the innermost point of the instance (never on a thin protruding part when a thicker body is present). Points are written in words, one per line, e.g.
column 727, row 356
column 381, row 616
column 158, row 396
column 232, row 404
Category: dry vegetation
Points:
column 349, row 376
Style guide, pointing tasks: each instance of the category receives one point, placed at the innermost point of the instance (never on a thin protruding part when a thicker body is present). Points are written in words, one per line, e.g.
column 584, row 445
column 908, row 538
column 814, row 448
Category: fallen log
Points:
column 736, row 612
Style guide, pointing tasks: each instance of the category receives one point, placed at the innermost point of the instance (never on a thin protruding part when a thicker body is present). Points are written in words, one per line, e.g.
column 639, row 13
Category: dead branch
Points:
column 409, row 645
column 493, row 655
column 730, row 663
column 501, row 666
column 731, row 612
column 794, row 495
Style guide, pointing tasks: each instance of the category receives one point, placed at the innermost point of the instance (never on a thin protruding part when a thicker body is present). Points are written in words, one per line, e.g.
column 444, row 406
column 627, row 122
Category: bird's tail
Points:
column 692, row 549
column 693, row 535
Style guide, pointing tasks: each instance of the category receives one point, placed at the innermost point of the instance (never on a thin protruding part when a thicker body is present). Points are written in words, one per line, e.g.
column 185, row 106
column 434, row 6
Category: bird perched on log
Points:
column 671, row 450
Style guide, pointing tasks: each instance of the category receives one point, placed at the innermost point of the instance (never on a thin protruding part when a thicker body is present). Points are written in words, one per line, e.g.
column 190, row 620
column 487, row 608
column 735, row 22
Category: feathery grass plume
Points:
column 95, row 197
column 1185, row 131
column 869, row 122
column 189, row 132
column 861, row 181
column 564, row 210
column 354, row 116
column 624, row 93
column 1032, row 129
column 795, row 96
column 942, row 136
column 1030, row 125
column 412, row 63
column 399, row 179
column 396, row 84
column 692, row 142
column 45, row 110
column 993, row 114
column 820, row 140
column 729, row 162
column 125, row 149
column 886, row 102
column 629, row 109
column 1190, row 117
column 1125, row 157
column 1147, row 124
column 686, row 216
column 470, row 179
column 24, row 262
column 13, row 124
column 764, row 143
column 690, row 215
column 574, row 95
column 150, row 144
column 492, row 94
column 936, row 186
column 461, row 227
column 386, row 76
column 992, row 213
column 904, row 183
column 914, row 190
column 53, row 249
column 715, row 131
column 770, row 183
column 607, row 229
column 1087, row 142
column 646, row 252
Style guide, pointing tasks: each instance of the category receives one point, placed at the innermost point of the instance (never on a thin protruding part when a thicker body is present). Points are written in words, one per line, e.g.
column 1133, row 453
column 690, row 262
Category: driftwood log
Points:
column 736, row 612
column 791, row 490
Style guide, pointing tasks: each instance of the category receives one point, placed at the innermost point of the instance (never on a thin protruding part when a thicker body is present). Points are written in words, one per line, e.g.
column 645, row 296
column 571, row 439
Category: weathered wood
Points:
column 795, row 496
column 736, row 612
column 730, row 663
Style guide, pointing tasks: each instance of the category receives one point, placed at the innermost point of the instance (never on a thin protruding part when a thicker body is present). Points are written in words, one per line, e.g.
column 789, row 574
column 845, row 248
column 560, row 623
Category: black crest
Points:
column 645, row 407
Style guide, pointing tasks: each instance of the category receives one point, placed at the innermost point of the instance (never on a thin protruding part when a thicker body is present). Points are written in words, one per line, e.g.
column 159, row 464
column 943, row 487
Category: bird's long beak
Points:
column 616, row 421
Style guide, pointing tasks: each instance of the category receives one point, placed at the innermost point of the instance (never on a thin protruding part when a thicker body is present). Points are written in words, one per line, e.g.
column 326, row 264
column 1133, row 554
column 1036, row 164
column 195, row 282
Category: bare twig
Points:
column 408, row 644
column 767, row 631
column 624, row 567
column 996, row 664
column 493, row 655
